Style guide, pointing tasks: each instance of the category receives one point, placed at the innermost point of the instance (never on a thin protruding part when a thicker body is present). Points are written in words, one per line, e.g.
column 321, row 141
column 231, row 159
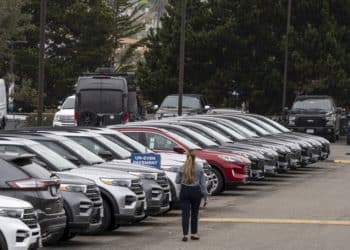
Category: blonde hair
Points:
column 188, row 174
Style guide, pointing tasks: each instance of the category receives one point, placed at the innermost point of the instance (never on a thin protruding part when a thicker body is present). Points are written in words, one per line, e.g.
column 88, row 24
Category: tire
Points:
column 333, row 138
column 107, row 223
column 217, row 182
column 67, row 235
column 3, row 243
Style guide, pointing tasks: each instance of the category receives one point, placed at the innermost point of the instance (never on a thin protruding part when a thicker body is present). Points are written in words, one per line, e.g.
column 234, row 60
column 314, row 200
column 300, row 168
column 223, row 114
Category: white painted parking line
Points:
column 277, row 221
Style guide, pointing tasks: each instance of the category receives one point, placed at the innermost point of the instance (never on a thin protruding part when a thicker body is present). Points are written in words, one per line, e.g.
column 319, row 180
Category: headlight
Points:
column 330, row 119
column 146, row 176
column 73, row 188
column 230, row 159
column 170, row 168
column 291, row 120
column 57, row 118
column 116, row 182
column 12, row 212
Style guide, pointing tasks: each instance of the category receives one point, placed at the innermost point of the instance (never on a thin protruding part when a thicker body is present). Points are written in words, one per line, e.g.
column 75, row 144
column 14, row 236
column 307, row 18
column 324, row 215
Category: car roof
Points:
column 304, row 97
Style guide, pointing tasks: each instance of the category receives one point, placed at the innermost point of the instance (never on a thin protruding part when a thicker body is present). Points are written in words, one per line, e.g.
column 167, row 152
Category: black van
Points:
column 101, row 99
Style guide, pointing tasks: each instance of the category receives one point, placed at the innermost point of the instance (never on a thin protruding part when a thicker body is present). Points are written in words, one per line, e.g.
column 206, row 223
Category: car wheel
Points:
column 333, row 137
column 3, row 244
column 216, row 182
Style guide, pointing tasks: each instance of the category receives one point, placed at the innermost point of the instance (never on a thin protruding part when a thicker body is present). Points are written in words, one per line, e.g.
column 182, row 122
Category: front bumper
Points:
column 51, row 224
column 321, row 131
column 64, row 124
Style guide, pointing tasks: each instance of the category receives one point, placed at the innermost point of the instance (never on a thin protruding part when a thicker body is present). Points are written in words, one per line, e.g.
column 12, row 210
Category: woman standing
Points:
column 193, row 188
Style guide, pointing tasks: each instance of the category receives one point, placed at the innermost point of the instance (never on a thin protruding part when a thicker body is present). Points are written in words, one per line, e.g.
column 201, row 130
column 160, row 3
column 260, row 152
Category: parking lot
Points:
column 306, row 208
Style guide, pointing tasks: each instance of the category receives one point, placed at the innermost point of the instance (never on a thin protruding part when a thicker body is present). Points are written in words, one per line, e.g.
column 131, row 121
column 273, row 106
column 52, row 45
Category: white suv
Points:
column 19, row 228
column 65, row 116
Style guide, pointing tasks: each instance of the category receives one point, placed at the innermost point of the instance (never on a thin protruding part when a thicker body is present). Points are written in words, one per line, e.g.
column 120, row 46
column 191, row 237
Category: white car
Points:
column 65, row 116
column 19, row 228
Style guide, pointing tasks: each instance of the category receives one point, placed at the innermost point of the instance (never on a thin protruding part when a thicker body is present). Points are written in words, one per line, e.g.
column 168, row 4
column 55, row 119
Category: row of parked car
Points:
column 81, row 180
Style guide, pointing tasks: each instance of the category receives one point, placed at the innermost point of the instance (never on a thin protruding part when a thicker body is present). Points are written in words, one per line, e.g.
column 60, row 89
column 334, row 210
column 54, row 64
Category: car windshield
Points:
column 69, row 103
column 52, row 157
column 253, row 127
column 264, row 125
column 99, row 144
column 185, row 142
column 202, row 139
column 187, row 102
column 312, row 104
column 127, row 143
column 208, row 133
column 275, row 124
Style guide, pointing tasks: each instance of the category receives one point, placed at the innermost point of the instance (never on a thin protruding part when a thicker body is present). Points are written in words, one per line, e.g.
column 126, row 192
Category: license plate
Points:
column 310, row 131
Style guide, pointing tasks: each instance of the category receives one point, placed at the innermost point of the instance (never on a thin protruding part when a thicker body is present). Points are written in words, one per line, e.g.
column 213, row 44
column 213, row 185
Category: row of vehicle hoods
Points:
column 91, row 193
column 238, row 146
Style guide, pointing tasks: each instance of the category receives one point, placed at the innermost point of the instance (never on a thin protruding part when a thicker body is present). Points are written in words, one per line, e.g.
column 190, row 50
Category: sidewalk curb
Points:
column 338, row 161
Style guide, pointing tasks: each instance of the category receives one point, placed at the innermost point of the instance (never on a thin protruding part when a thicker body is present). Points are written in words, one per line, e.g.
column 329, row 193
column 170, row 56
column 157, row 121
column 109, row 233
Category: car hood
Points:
column 10, row 202
column 70, row 179
column 95, row 172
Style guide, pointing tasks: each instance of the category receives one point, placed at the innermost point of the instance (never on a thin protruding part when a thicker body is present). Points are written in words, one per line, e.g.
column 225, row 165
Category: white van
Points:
column 3, row 104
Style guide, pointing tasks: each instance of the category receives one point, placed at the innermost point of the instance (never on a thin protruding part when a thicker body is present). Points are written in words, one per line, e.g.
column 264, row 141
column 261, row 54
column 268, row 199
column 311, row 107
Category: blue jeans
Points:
column 190, row 198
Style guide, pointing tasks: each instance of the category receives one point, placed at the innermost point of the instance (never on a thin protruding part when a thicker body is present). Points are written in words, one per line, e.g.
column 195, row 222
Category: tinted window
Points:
column 89, row 144
column 134, row 135
column 121, row 143
column 101, row 101
column 12, row 150
column 68, row 103
column 187, row 102
column 313, row 104
column 57, row 148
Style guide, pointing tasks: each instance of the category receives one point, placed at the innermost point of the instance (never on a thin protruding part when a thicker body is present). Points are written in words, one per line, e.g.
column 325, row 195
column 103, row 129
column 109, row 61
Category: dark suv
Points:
column 22, row 179
column 191, row 104
column 315, row 115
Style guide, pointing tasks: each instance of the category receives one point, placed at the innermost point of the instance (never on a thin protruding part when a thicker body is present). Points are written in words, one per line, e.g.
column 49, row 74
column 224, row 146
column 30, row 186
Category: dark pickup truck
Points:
column 314, row 114
column 191, row 104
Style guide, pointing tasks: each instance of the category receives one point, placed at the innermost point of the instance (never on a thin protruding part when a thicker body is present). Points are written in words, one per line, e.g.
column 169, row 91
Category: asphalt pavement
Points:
column 308, row 208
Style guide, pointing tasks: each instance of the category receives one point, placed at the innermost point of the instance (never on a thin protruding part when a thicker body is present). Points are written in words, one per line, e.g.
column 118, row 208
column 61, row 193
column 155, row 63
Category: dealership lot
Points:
column 307, row 208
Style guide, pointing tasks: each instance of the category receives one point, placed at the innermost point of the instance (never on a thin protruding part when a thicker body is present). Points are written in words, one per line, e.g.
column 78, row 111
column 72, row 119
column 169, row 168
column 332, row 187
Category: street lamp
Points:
column 182, row 55
column 286, row 57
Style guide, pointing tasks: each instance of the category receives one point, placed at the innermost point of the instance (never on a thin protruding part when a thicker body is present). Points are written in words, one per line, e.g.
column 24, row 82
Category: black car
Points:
column 21, row 178
column 315, row 115
column 191, row 104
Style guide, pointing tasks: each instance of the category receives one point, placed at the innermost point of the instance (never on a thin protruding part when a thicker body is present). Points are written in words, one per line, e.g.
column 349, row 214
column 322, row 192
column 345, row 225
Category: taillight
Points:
column 125, row 117
column 31, row 184
column 76, row 116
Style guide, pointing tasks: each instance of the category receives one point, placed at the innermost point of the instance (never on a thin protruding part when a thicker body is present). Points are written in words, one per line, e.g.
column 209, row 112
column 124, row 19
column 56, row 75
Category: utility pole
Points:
column 41, row 74
column 286, row 57
column 182, row 55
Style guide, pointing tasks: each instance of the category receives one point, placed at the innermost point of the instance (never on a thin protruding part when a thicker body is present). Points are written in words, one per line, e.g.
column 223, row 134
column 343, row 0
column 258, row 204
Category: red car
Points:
column 229, row 168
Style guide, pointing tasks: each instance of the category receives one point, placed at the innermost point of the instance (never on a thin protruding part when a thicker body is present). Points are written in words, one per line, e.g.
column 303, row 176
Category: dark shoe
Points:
column 184, row 238
column 195, row 238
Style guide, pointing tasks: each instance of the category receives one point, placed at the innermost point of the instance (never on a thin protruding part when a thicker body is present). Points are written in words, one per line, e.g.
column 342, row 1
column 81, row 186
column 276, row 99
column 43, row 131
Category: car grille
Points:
column 284, row 157
column 66, row 118
column 165, row 201
column 247, row 169
column 162, row 181
column 93, row 193
column 257, row 165
column 307, row 152
column 310, row 122
column 139, row 211
column 30, row 218
column 296, row 155
column 136, row 187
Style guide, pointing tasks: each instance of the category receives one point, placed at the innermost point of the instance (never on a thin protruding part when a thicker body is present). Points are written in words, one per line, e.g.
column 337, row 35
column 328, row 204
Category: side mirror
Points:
column 179, row 150
column 106, row 155
column 59, row 107
column 155, row 107
column 206, row 107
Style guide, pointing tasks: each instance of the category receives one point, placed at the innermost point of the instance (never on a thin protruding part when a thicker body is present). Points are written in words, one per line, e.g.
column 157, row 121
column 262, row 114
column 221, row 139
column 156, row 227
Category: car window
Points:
column 57, row 148
column 134, row 135
column 159, row 142
column 187, row 102
column 101, row 101
column 9, row 172
column 35, row 170
column 89, row 144
column 69, row 103
column 120, row 143
column 312, row 104
column 12, row 150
